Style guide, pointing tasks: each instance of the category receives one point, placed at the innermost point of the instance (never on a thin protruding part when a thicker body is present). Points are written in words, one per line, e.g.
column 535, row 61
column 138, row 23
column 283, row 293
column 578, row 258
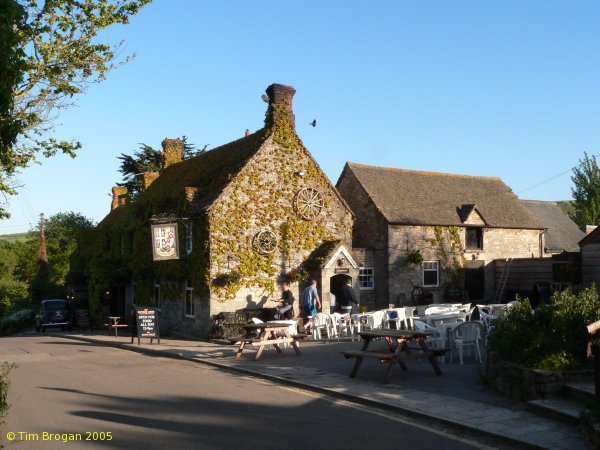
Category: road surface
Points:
column 119, row 399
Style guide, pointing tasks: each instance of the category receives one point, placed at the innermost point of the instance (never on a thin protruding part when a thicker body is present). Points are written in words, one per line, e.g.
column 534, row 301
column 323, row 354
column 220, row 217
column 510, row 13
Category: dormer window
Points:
column 474, row 238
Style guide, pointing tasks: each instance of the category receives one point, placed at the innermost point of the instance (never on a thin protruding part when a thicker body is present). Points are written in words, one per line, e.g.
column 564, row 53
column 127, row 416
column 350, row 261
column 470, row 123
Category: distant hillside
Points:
column 566, row 206
column 15, row 237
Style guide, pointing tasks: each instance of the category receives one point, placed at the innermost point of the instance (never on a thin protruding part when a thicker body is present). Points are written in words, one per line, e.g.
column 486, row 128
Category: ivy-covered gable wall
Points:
column 262, row 198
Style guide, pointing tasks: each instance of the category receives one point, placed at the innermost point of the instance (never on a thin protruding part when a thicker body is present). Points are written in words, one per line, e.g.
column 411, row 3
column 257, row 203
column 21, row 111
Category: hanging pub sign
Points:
column 165, row 242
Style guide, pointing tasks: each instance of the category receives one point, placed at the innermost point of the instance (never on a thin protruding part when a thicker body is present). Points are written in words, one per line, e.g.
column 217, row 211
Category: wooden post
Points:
column 596, row 353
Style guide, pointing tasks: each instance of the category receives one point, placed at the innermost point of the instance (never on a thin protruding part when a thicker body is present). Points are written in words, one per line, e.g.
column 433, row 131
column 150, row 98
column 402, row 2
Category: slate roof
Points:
column 412, row 197
column 563, row 234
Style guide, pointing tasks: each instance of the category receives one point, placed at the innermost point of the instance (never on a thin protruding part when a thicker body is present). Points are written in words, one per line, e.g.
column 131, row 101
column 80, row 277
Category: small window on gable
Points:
column 189, row 302
column 474, row 238
column 431, row 273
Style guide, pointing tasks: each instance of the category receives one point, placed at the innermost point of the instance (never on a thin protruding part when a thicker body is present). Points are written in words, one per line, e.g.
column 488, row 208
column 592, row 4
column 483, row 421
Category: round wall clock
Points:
column 265, row 241
column 309, row 203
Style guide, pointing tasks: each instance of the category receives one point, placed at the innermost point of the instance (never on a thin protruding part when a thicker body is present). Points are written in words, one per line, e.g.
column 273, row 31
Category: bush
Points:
column 16, row 321
column 552, row 337
column 13, row 295
column 4, row 383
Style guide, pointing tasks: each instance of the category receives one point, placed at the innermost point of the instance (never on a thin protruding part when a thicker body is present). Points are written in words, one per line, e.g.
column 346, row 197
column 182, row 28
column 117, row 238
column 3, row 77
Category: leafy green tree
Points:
column 50, row 53
column 586, row 192
column 16, row 271
column 12, row 65
column 147, row 159
column 62, row 232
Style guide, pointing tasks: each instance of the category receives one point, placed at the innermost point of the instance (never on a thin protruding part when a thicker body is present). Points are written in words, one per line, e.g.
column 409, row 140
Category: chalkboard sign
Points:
column 146, row 324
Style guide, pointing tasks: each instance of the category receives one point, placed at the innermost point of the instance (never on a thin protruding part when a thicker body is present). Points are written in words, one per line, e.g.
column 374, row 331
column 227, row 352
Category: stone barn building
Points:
column 434, row 231
column 590, row 259
column 250, row 214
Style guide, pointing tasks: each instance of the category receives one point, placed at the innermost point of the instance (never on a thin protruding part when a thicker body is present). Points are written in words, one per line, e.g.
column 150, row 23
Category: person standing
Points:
column 311, row 302
column 286, row 302
column 346, row 297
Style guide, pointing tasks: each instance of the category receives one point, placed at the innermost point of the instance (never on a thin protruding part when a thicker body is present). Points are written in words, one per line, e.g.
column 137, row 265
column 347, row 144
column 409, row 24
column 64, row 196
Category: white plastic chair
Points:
column 374, row 320
column 398, row 317
column 322, row 321
column 468, row 334
column 342, row 324
column 438, row 340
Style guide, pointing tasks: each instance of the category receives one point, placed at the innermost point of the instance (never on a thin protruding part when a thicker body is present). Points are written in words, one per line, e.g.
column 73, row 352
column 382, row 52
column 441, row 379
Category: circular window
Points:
column 265, row 241
column 309, row 203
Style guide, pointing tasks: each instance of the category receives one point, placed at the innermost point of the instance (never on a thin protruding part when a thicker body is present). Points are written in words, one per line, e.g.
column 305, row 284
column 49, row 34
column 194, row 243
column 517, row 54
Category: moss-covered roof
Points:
column 322, row 253
column 209, row 172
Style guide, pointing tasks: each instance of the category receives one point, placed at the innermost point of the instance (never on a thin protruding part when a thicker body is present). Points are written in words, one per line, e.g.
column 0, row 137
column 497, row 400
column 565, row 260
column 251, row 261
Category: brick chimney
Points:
column 148, row 178
column 280, row 104
column 119, row 194
column 172, row 151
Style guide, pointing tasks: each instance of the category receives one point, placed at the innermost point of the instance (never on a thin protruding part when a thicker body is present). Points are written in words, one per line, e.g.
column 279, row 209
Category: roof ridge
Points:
column 424, row 172
column 546, row 202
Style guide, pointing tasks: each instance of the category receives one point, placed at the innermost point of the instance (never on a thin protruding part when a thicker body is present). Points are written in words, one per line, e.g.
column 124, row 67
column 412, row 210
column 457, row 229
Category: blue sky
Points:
column 507, row 89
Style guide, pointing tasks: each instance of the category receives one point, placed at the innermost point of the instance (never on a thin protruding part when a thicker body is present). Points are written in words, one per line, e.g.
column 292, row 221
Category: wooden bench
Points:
column 382, row 356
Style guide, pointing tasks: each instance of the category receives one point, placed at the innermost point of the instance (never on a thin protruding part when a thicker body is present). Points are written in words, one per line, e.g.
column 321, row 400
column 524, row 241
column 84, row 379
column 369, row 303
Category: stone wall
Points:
column 262, row 197
column 370, row 232
column 522, row 383
column 498, row 243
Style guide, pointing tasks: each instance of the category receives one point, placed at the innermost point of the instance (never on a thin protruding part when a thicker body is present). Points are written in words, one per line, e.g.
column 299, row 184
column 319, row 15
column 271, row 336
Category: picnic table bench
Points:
column 397, row 341
column 273, row 334
column 114, row 323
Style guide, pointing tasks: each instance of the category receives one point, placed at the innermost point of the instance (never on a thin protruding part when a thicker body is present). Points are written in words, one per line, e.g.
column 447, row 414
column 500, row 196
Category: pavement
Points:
column 458, row 398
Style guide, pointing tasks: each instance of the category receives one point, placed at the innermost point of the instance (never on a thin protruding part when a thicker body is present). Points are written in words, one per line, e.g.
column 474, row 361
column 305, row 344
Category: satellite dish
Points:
column 265, row 98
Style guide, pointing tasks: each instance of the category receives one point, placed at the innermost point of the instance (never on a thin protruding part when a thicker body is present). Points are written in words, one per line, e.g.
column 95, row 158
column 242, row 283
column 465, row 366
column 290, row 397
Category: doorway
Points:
column 336, row 283
column 475, row 280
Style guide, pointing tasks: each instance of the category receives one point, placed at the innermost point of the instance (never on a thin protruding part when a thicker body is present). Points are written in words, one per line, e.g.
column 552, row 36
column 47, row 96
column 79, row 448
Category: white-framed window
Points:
column 431, row 273
column 366, row 280
column 157, row 295
column 189, row 302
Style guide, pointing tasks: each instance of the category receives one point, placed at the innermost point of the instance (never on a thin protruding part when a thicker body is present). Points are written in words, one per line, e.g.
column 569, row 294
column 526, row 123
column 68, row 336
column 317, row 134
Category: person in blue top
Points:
column 311, row 302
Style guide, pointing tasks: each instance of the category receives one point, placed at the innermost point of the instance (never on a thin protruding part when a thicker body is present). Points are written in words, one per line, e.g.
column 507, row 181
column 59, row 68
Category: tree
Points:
column 586, row 192
column 147, row 159
column 50, row 54
column 62, row 232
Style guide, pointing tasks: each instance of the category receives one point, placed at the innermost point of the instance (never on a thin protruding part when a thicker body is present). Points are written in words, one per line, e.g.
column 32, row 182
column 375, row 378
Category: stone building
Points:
column 590, row 259
column 250, row 214
column 562, row 234
column 436, row 231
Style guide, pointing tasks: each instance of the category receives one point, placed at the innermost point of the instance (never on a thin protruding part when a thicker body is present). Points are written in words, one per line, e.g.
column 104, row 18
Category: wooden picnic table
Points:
column 114, row 323
column 397, row 341
column 273, row 334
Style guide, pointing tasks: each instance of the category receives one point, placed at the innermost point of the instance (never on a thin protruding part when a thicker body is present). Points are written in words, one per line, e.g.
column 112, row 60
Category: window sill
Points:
column 188, row 317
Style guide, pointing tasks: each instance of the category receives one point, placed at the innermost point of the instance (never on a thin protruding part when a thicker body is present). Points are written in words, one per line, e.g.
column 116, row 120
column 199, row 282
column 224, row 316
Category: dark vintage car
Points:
column 54, row 313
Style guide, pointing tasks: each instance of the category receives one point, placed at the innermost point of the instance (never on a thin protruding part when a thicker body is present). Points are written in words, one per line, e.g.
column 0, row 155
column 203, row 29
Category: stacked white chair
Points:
column 468, row 334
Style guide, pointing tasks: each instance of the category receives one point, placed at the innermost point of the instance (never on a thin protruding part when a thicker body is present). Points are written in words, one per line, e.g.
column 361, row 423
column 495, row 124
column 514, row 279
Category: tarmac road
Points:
column 63, row 387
